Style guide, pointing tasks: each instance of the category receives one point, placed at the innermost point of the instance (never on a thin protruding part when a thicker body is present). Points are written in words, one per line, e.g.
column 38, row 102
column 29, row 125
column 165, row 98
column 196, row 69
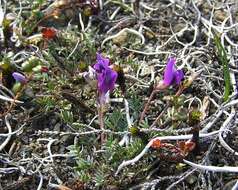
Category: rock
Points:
column 121, row 39
column 67, row 140
column 29, row 92
column 220, row 15
column 191, row 179
column 57, row 127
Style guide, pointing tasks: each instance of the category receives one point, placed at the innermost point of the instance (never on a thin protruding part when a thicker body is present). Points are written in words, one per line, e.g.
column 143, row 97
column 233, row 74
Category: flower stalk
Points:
column 171, row 76
column 147, row 105
column 19, row 78
column 106, row 79
column 101, row 122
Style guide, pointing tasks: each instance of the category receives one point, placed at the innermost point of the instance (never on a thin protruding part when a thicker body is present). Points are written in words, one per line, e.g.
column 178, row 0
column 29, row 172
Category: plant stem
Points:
column 147, row 105
column 159, row 116
column 15, row 98
column 101, row 122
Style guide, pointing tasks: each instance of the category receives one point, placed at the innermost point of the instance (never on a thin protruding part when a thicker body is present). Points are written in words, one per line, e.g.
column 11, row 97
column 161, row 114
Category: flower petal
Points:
column 110, row 80
column 106, row 77
column 179, row 75
column 102, row 63
column 169, row 72
column 104, row 98
column 102, row 87
column 19, row 77
column 107, row 80
column 90, row 77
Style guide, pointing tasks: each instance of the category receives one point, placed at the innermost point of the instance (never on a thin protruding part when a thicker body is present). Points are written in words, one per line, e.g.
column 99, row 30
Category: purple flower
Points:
column 106, row 77
column 19, row 77
column 171, row 74
column 102, row 63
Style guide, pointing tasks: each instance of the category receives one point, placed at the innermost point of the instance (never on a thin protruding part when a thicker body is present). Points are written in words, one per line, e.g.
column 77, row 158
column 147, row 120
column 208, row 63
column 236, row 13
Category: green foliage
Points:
column 224, row 61
column 136, row 104
column 37, row 4
column 99, row 178
column 99, row 169
column 47, row 102
column 67, row 116
column 144, row 124
column 33, row 17
column 29, row 64
column 83, row 164
column 178, row 101
column 180, row 115
column 6, row 64
column 134, row 148
column 116, row 121
column 72, row 53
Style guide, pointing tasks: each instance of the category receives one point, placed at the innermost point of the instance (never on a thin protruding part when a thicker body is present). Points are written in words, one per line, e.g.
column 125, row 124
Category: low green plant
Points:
column 222, row 56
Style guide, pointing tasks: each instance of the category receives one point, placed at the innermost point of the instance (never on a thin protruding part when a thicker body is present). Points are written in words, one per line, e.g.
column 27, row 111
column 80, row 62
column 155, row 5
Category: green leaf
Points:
column 224, row 60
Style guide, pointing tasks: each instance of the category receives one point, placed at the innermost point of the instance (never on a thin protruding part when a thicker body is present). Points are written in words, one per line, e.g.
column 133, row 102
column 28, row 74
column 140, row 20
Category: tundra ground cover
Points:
column 118, row 94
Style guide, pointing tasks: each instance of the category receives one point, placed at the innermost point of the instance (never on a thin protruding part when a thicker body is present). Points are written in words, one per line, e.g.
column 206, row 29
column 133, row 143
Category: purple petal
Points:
column 102, row 87
column 111, row 79
column 106, row 77
column 169, row 72
column 179, row 76
column 106, row 81
column 19, row 77
column 102, row 63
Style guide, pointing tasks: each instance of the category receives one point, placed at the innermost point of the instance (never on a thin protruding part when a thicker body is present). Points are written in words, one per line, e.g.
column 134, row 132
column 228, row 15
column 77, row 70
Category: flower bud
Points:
column 16, row 87
column 194, row 117
column 19, row 77
column 29, row 64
